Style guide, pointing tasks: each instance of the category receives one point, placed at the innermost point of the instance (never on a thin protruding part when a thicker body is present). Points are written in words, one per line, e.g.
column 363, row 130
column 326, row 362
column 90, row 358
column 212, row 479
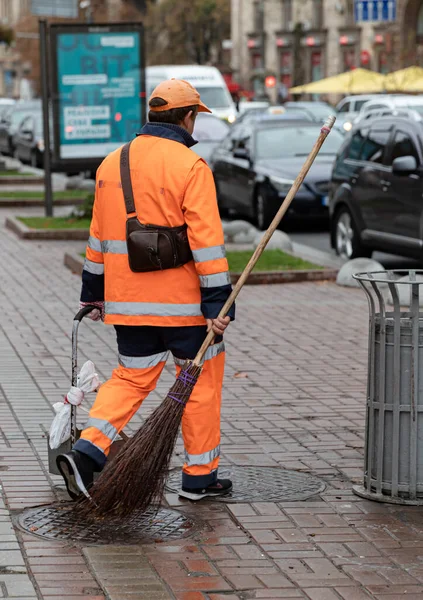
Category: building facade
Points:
column 298, row 41
column 11, row 68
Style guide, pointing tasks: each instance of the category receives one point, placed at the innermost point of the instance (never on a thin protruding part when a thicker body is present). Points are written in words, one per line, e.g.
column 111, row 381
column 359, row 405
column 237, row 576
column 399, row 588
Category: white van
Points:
column 208, row 81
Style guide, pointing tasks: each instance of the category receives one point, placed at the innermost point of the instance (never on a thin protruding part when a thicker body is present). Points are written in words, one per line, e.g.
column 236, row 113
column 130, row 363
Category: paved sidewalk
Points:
column 300, row 406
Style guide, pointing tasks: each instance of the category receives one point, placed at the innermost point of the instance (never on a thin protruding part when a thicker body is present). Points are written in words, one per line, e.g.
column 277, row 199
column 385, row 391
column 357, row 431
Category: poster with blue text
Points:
column 100, row 96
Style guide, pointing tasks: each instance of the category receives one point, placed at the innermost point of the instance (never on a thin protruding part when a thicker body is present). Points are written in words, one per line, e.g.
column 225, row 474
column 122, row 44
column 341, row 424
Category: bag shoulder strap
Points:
column 125, row 178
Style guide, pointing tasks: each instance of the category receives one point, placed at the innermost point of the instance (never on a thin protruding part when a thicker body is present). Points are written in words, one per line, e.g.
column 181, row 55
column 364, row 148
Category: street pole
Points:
column 262, row 44
column 45, row 95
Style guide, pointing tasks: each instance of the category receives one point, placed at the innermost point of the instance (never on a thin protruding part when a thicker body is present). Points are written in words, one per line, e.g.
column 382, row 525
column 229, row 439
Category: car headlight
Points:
column 231, row 119
column 347, row 125
column 282, row 185
column 40, row 145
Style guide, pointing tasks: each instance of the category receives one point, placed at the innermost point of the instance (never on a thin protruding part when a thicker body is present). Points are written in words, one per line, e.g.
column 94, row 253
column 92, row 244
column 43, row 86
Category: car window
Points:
column 215, row 97
column 345, row 107
column 359, row 104
column 403, row 146
column 243, row 139
column 374, row 106
column 373, row 148
column 354, row 150
column 279, row 142
column 27, row 124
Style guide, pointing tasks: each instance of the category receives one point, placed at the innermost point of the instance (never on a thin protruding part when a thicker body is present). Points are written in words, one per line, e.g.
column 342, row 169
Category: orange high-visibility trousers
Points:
column 120, row 398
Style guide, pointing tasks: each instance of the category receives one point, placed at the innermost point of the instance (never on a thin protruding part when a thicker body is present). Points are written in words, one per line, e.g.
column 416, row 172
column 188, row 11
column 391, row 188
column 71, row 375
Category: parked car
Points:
column 209, row 131
column 28, row 141
column 318, row 111
column 10, row 121
column 377, row 188
column 208, row 81
column 390, row 103
column 275, row 111
column 348, row 108
column 256, row 164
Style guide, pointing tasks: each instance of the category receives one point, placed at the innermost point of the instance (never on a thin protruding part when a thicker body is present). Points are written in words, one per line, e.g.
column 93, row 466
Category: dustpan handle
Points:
column 270, row 231
column 76, row 321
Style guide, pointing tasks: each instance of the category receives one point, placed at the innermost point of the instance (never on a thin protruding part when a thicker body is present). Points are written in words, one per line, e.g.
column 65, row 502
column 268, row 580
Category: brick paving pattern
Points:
column 294, row 398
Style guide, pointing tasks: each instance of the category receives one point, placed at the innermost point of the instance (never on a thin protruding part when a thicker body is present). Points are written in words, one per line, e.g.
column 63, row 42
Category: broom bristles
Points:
column 136, row 478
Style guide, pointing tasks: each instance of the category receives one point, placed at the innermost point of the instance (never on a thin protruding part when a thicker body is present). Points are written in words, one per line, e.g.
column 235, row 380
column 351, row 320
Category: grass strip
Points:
column 24, row 195
column 270, row 260
column 55, row 222
column 16, row 173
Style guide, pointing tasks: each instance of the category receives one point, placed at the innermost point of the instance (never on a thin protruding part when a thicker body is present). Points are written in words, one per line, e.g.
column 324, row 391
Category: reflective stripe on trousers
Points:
column 143, row 362
column 202, row 459
column 211, row 352
column 104, row 426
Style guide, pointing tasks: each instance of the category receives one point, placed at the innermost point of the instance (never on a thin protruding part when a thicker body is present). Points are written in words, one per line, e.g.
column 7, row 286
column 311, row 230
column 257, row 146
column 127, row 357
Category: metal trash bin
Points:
column 393, row 463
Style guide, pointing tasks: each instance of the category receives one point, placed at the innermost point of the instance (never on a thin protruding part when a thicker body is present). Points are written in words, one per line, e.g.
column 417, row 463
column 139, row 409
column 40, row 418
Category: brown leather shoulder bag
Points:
column 150, row 247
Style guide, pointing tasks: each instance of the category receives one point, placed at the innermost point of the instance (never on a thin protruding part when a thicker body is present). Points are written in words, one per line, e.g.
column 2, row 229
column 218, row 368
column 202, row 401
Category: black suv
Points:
column 376, row 192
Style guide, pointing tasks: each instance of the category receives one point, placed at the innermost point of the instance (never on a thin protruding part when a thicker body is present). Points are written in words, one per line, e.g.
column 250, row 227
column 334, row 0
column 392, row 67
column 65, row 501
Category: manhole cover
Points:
column 261, row 484
column 59, row 522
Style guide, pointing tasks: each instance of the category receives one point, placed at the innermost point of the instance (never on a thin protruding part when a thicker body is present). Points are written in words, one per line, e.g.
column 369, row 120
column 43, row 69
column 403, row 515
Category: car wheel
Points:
column 347, row 240
column 262, row 212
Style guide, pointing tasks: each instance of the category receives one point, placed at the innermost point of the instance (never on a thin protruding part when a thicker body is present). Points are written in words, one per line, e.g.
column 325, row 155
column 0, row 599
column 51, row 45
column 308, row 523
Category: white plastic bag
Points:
column 87, row 381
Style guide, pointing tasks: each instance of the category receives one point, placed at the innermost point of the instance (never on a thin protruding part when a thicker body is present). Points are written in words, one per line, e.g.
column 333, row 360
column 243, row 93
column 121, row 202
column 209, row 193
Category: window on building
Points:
column 258, row 15
column 6, row 11
column 255, row 60
column 317, row 14
column 287, row 12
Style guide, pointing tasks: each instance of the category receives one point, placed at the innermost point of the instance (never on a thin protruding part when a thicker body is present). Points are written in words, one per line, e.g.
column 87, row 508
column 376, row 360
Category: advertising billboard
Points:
column 98, row 90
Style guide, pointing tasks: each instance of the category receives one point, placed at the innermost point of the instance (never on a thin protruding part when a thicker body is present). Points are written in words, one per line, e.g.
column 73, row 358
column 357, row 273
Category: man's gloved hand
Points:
column 97, row 313
column 218, row 325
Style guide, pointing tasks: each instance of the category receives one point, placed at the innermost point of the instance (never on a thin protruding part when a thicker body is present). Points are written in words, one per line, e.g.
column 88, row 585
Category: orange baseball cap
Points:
column 178, row 94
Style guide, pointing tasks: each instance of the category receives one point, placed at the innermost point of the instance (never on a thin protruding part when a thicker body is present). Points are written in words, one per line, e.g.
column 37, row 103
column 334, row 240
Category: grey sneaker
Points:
column 221, row 487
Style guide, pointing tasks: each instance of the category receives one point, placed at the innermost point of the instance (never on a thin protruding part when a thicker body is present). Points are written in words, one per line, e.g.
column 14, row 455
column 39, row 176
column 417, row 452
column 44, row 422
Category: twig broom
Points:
column 135, row 479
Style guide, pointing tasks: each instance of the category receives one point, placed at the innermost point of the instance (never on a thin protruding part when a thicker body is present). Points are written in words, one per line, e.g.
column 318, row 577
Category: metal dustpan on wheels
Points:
column 74, row 431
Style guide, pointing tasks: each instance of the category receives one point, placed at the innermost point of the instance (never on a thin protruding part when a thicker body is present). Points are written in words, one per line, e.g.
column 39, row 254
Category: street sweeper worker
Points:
column 156, row 270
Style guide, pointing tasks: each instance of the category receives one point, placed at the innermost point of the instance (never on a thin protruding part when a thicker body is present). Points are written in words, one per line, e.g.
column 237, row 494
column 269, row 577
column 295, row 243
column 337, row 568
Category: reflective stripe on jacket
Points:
column 172, row 186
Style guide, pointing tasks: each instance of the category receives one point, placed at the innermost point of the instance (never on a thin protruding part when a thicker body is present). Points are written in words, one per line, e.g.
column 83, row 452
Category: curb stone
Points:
column 27, row 233
column 75, row 262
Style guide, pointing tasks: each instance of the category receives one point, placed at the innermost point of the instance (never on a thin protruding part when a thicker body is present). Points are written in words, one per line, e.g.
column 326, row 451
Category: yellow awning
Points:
column 405, row 80
column 358, row 81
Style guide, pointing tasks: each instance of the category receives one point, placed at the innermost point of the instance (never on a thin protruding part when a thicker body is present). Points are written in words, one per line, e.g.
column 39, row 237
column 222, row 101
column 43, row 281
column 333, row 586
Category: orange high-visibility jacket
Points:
column 172, row 186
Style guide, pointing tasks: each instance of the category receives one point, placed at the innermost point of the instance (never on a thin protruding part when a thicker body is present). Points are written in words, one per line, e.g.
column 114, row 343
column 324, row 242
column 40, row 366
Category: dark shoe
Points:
column 221, row 487
column 77, row 470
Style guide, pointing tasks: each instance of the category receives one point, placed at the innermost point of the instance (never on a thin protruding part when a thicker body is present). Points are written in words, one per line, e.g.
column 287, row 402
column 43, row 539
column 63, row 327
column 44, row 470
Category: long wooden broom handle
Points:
column 272, row 227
